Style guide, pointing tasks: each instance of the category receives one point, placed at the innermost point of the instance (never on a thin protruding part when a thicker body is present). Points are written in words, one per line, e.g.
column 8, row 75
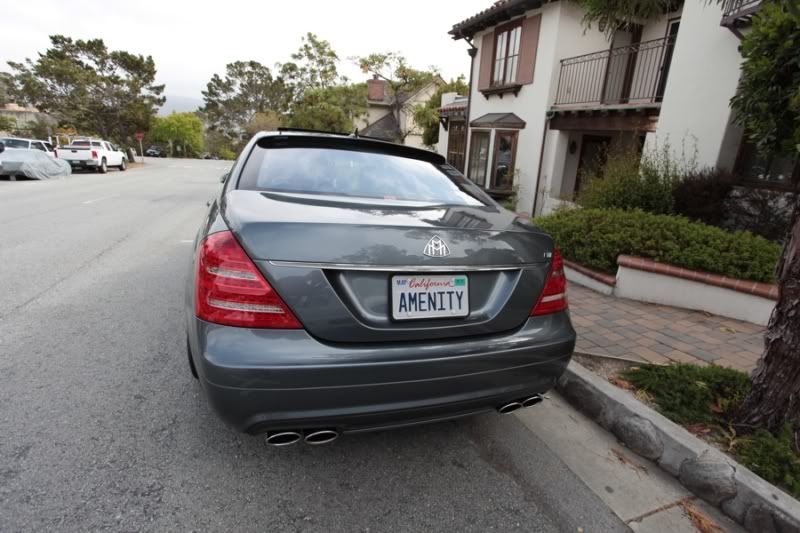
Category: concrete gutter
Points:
column 704, row 470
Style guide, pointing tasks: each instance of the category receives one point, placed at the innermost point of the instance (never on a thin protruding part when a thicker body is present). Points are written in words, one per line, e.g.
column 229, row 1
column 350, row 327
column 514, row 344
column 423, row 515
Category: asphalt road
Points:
column 102, row 427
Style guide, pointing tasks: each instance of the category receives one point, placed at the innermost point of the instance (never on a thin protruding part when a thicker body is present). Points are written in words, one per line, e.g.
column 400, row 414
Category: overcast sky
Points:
column 192, row 40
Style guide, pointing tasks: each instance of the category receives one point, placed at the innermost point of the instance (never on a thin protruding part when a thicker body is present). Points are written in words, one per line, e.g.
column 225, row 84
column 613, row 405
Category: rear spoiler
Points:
column 358, row 144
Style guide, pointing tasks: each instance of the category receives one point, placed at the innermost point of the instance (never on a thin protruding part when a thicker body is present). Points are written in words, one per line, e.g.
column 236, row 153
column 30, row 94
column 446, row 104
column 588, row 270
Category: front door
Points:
column 457, row 144
column 594, row 152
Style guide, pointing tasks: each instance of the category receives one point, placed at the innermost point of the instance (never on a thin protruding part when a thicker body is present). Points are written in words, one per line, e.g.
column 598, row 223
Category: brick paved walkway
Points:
column 608, row 325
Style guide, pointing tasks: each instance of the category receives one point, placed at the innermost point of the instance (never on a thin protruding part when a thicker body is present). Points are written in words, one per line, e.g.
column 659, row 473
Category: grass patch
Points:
column 709, row 396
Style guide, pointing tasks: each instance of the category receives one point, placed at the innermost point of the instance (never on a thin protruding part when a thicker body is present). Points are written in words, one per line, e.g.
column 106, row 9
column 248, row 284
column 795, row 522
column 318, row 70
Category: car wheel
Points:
column 191, row 361
column 103, row 168
column 124, row 166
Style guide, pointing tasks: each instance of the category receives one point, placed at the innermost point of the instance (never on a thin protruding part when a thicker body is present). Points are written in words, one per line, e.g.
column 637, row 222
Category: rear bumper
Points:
column 91, row 163
column 258, row 380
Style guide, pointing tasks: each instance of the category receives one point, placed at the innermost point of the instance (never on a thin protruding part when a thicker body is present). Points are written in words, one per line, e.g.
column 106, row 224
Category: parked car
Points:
column 344, row 284
column 210, row 156
column 94, row 154
column 155, row 151
column 29, row 144
column 35, row 164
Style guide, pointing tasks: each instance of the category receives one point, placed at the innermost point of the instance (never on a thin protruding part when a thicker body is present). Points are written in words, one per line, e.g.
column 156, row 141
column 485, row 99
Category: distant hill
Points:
column 179, row 104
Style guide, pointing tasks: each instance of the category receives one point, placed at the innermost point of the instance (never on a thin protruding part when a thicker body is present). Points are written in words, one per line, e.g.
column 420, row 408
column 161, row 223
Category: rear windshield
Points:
column 14, row 143
column 85, row 143
column 339, row 172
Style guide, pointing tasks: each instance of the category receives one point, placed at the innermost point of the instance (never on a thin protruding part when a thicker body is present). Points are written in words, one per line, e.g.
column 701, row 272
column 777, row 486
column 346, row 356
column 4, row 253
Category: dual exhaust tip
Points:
column 529, row 401
column 313, row 437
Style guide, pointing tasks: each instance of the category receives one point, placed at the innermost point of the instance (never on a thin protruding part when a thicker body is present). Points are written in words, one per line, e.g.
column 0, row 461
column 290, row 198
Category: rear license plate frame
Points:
column 419, row 281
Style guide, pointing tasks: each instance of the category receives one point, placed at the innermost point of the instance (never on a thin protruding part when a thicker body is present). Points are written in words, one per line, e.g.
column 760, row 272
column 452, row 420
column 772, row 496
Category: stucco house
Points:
column 391, row 117
column 548, row 96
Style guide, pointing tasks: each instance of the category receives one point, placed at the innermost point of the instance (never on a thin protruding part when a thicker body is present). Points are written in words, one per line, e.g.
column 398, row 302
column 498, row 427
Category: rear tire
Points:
column 103, row 168
column 192, row 368
column 124, row 166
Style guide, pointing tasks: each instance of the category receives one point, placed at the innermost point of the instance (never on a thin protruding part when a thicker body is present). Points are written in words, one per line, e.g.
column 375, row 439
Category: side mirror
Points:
column 222, row 178
column 2, row 148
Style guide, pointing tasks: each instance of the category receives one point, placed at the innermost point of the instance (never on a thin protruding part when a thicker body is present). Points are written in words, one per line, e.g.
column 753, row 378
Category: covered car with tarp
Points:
column 31, row 164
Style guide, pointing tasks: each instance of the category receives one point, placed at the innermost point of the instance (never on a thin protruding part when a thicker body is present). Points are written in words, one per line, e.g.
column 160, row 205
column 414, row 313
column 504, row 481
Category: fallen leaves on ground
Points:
column 621, row 383
column 701, row 522
column 699, row 429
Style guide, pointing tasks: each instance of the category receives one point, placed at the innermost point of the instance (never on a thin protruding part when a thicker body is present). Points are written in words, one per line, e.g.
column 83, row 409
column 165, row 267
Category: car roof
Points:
column 352, row 140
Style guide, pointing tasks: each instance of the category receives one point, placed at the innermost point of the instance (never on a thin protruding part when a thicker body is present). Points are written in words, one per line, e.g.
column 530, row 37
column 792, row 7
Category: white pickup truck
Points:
column 93, row 153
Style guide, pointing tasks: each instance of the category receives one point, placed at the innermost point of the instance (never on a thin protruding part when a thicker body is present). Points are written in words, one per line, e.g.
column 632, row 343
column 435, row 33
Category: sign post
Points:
column 139, row 136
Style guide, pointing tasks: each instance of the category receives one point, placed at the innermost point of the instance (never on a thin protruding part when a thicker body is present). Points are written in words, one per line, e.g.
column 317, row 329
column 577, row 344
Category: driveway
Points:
column 102, row 427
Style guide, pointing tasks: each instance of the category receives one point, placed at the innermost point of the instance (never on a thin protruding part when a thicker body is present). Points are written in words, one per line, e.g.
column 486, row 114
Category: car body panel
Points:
column 351, row 366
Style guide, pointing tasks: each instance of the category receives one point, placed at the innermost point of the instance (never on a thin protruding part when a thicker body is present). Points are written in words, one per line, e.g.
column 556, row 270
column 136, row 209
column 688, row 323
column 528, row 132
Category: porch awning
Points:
column 498, row 120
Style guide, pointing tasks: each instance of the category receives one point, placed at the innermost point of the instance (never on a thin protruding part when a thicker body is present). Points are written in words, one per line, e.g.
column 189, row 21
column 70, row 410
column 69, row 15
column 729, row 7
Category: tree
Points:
column 774, row 399
column 85, row 85
column 313, row 66
column 248, row 88
column 400, row 78
column 768, row 105
column 330, row 109
column 6, row 88
column 427, row 115
column 7, row 124
column 268, row 121
column 183, row 132
column 768, row 101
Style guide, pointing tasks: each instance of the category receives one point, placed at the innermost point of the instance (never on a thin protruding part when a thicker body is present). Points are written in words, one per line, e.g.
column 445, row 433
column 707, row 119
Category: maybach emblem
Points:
column 436, row 247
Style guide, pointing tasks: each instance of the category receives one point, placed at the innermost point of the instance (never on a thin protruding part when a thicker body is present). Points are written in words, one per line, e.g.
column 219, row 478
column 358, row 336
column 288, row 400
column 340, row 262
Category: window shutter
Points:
column 487, row 56
column 529, row 42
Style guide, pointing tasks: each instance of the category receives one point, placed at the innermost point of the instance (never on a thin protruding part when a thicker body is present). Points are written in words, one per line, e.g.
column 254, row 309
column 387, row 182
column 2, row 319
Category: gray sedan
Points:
column 342, row 284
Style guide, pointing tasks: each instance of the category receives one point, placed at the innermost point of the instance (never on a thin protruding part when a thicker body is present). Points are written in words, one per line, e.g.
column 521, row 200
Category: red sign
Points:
column 139, row 136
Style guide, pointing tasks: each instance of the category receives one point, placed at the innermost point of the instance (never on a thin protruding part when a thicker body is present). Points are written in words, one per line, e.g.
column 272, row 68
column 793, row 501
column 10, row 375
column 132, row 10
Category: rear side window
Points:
column 341, row 172
column 15, row 143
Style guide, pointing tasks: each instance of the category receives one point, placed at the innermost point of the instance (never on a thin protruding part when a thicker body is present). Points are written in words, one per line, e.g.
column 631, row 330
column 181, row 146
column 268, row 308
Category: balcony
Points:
column 738, row 13
column 627, row 76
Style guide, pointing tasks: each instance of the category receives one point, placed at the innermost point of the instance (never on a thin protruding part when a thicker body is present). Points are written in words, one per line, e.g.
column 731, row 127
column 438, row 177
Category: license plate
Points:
column 430, row 296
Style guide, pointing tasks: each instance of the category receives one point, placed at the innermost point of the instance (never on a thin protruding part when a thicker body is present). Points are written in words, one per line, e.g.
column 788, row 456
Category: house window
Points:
column 505, row 151
column 506, row 53
column 781, row 172
column 478, row 157
column 456, row 144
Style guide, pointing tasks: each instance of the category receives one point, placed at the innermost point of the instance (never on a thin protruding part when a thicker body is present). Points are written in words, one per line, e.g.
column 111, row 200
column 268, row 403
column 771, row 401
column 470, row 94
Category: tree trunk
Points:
column 775, row 397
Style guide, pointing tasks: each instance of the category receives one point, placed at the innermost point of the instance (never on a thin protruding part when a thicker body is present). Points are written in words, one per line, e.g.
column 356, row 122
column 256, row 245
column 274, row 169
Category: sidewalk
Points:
column 642, row 495
column 619, row 327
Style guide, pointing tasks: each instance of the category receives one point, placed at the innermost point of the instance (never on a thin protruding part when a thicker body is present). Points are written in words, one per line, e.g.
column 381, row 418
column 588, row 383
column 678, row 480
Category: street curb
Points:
column 746, row 498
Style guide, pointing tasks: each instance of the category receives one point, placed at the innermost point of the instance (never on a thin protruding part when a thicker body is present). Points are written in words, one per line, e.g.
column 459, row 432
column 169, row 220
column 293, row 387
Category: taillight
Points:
column 554, row 295
column 94, row 154
column 230, row 290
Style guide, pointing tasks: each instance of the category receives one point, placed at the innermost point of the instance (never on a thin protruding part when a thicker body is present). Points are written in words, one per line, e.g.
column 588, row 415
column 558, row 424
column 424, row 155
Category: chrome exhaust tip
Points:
column 321, row 436
column 509, row 407
column 283, row 438
column 532, row 400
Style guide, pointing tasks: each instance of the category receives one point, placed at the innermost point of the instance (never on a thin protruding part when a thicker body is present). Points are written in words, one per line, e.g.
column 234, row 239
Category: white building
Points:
column 549, row 96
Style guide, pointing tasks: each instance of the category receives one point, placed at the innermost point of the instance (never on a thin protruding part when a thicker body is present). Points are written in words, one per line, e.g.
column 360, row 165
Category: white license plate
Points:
column 430, row 296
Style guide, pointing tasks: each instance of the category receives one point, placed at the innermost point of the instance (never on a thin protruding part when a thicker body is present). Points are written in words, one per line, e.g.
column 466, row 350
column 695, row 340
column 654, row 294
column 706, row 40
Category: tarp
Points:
column 33, row 164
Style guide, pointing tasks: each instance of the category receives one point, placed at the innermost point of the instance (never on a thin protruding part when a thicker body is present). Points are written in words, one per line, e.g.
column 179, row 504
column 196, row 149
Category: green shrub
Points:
column 710, row 395
column 772, row 457
column 691, row 394
column 631, row 180
column 596, row 237
column 701, row 195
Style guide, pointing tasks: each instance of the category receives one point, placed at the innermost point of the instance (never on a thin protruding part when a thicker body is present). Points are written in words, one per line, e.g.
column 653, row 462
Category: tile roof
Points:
column 500, row 11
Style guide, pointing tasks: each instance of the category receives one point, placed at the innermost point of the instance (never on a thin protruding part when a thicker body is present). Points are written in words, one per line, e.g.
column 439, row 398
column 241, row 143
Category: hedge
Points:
column 596, row 237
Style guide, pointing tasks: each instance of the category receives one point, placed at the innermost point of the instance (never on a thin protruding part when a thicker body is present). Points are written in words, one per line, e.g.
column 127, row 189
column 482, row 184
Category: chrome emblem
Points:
column 436, row 247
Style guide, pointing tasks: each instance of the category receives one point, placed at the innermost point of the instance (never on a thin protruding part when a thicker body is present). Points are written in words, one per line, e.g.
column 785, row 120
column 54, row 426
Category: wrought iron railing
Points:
column 735, row 9
column 631, row 74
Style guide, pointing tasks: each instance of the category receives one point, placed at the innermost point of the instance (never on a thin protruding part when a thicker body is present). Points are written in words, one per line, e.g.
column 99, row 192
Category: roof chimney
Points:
column 376, row 89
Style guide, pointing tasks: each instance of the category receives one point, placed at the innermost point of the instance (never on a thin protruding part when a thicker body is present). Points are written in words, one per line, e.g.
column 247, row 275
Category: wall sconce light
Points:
column 573, row 147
